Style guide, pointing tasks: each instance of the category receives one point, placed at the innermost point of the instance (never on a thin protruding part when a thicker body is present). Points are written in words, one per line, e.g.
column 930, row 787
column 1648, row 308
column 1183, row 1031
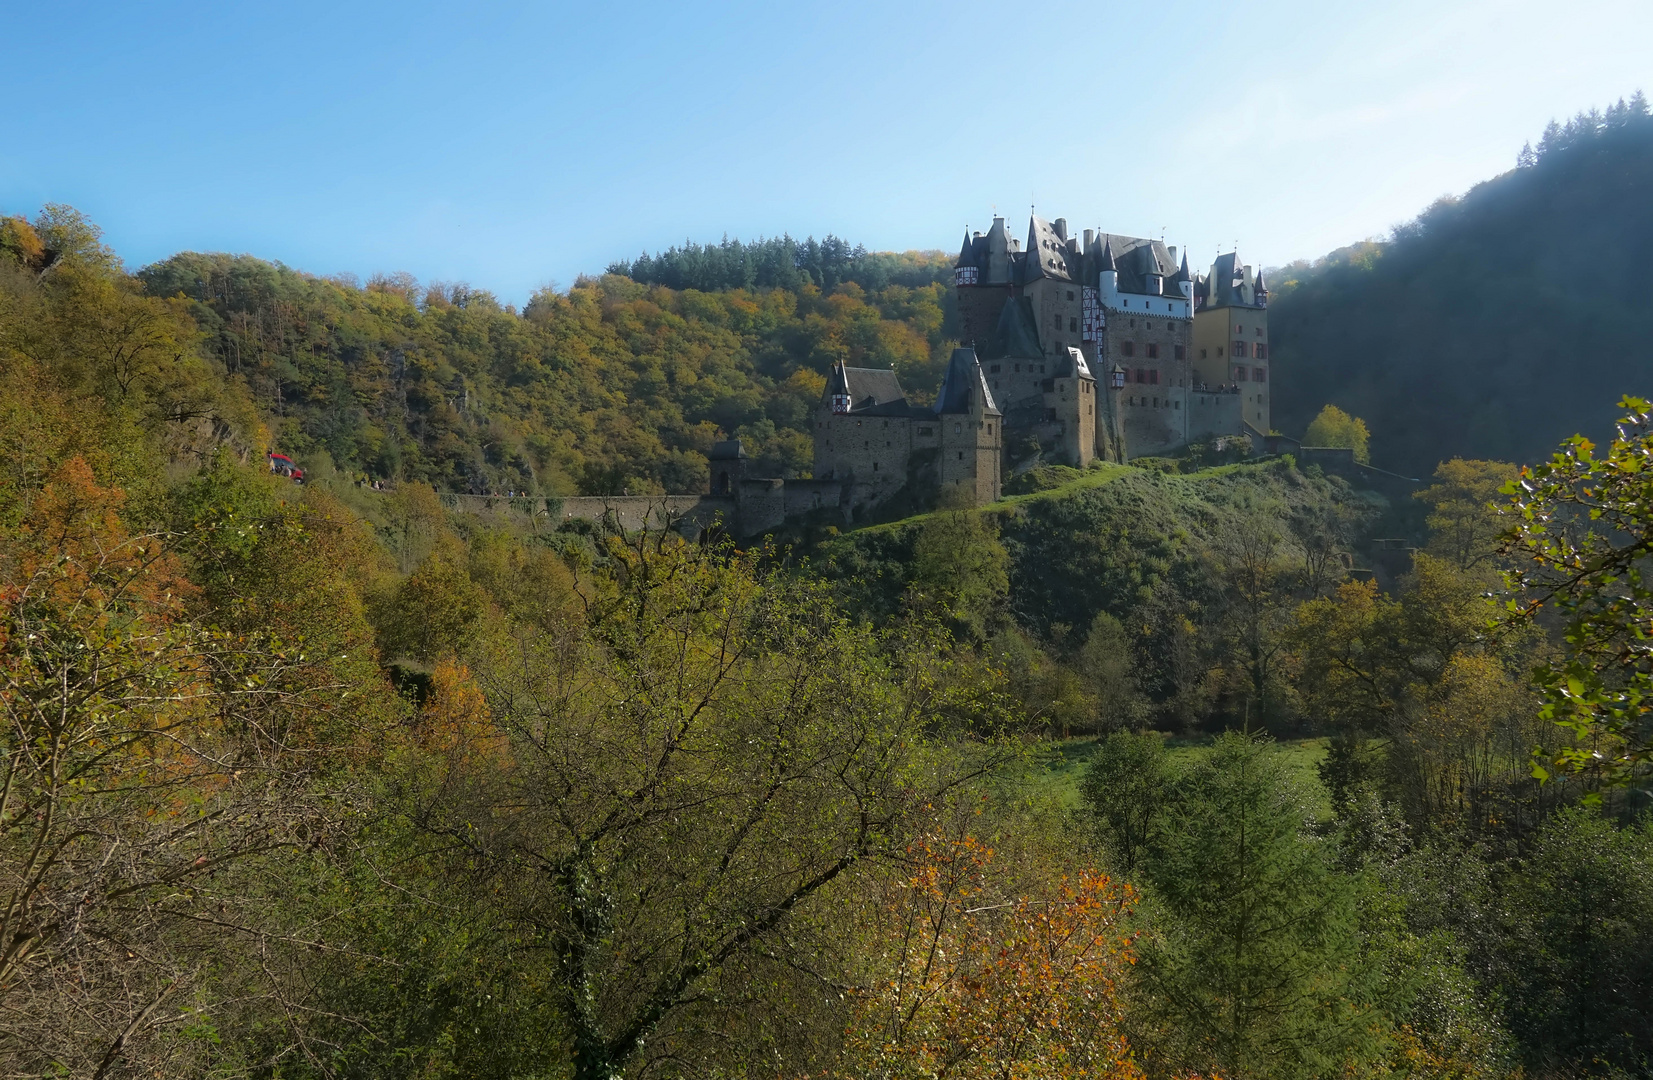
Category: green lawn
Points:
column 1060, row 764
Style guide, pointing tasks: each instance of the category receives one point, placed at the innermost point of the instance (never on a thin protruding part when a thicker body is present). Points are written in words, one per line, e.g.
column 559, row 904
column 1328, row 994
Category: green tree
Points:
column 1581, row 530
column 1334, row 427
column 959, row 562
column 1579, row 945
column 1257, row 962
column 683, row 775
column 1107, row 665
column 1125, row 788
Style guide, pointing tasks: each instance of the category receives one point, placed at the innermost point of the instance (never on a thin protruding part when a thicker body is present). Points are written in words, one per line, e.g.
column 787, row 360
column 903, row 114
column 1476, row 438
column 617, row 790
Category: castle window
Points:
column 1259, row 331
column 1128, row 348
column 1073, row 324
column 1219, row 352
column 1018, row 367
column 1259, row 375
column 994, row 369
column 1041, row 369
column 1153, row 377
column 875, row 466
column 1178, row 405
column 957, row 428
column 1202, row 353
column 1156, row 403
column 1050, row 416
column 1153, row 350
column 1070, row 294
column 1261, row 351
column 1239, row 350
column 1179, row 352
column 924, row 431
column 961, row 458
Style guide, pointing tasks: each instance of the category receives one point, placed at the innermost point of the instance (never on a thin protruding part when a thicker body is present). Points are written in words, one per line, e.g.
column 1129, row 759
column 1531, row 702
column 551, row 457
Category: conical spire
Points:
column 967, row 253
column 962, row 382
column 1182, row 271
column 1107, row 256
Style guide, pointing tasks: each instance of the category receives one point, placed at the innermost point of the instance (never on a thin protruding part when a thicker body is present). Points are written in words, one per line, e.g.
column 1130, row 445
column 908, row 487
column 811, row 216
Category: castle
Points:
column 1076, row 349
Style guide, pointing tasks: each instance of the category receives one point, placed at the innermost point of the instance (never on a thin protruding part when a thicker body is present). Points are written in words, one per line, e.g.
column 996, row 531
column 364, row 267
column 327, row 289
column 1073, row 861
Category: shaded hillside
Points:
column 615, row 385
column 1496, row 324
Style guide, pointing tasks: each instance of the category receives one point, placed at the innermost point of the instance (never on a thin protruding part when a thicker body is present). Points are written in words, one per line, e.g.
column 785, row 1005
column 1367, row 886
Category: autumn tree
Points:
column 693, row 759
column 142, row 760
column 972, row 983
column 1334, row 427
column 1465, row 503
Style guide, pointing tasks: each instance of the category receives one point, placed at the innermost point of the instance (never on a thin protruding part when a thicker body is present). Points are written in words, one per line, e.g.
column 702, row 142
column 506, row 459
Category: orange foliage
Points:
column 977, row 987
column 74, row 527
column 455, row 721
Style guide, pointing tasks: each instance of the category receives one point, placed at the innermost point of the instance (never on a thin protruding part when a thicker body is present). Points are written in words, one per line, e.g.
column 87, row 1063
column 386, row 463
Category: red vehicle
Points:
column 282, row 465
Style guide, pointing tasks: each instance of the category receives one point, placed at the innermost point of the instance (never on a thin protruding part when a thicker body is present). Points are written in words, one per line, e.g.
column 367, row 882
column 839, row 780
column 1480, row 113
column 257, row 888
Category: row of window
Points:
column 1143, row 402
column 1143, row 375
column 1128, row 348
column 1258, row 351
column 1257, row 374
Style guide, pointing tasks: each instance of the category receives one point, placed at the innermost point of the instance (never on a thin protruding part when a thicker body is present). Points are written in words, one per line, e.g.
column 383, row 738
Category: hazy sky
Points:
column 511, row 146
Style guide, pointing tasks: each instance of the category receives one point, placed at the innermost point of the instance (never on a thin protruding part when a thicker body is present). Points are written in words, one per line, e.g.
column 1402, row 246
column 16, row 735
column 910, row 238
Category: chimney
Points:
column 1061, row 227
column 1173, row 250
column 1090, row 239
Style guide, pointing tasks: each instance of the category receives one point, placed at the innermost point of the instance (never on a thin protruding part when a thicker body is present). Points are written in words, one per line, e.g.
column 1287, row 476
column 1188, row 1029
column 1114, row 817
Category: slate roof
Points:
column 1047, row 254
column 1231, row 284
column 964, row 380
column 1017, row 333
column 1072, row 364
column 866, row 386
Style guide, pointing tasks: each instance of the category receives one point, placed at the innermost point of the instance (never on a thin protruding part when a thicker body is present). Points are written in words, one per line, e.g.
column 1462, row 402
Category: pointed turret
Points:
column 1180, row 280
column 1106, row 264
column 964, row 385
column 1259, row 291
column 1034, row 265
column 967, row 253
column 1107, row 273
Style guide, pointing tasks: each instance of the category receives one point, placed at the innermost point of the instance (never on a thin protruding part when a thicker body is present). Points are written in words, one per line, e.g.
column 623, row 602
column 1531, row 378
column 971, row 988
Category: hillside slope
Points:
column 615, row 385
column 1496, row 324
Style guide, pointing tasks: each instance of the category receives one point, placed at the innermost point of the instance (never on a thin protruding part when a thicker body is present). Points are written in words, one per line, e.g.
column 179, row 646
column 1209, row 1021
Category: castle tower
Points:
column 971, row 429
column 1231, row 346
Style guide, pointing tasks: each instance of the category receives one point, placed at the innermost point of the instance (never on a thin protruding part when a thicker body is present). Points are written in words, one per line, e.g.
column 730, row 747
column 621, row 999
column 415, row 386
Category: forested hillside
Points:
column 318, row 782
column 618, row 384
column 1494, row 325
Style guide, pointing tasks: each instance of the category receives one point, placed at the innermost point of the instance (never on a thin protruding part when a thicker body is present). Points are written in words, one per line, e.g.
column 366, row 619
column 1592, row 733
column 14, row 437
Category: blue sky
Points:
column 517, row 145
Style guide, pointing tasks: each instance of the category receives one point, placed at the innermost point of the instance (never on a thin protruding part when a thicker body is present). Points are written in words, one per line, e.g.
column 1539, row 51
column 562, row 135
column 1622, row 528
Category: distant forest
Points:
column 784, row 263
column 1495, row 324
column 620, row 384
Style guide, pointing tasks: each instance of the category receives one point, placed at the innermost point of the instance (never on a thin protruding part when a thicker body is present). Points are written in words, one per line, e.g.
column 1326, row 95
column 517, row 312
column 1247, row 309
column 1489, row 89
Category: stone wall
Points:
column 632, row 512
column 1213, row 412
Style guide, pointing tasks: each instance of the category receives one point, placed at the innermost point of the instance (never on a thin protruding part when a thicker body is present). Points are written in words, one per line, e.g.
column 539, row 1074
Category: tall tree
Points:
column 689, row 767
column 1256, row 962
